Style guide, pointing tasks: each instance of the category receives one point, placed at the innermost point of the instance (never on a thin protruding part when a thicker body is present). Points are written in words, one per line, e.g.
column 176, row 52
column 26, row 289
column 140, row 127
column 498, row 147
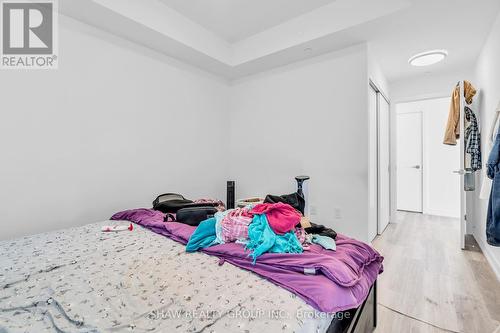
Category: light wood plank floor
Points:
column 428, row 277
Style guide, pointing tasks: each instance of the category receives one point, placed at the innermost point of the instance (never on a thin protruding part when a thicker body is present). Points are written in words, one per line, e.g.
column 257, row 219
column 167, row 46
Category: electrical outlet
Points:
column 337, row 213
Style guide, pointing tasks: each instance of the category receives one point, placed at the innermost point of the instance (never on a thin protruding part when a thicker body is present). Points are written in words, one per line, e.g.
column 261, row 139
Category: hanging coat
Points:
column 493, row 217
column 452, row 132
column 473, row 140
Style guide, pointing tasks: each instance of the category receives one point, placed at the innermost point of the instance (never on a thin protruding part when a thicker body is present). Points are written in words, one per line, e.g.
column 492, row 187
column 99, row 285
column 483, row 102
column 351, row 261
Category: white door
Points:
column 409, row 161
column 384, row 194
column 441, row 185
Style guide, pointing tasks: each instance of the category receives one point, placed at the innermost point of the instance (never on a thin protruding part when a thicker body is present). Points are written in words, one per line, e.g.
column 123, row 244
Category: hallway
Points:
column 429, row 284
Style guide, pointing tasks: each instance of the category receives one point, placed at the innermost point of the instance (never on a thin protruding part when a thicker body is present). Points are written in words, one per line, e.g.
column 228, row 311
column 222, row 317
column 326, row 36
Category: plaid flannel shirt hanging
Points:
column 473, row 140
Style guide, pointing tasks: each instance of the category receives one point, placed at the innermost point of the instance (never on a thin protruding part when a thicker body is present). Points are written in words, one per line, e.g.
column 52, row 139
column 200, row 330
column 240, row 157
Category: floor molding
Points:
column 490, row 257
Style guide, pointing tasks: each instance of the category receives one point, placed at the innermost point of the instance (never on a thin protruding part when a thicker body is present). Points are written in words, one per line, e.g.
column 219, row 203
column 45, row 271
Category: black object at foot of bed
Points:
column 360, row 320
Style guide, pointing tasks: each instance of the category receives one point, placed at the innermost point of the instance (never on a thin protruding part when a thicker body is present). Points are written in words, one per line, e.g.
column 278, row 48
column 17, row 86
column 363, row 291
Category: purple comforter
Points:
column 343, row 277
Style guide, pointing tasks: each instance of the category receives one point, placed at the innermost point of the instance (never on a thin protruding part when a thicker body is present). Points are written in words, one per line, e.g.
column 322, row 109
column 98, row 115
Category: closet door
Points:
column 373, row 170
column 384, row 182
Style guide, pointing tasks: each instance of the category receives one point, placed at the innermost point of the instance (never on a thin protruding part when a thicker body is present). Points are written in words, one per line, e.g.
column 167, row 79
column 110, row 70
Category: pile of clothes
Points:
column 261, row 228
column 330, row 281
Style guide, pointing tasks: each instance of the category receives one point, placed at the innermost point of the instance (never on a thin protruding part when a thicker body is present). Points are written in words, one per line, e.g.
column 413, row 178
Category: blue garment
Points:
column 203, row 236
column 262, row 239
column 493, row 217
column 326, row 242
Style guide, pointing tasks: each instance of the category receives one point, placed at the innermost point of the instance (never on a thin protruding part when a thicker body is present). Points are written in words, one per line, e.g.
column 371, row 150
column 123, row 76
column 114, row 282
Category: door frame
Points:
column 381, row 94
column 461, row 143
column 463, row 194
column 426, row 207
column 424, row 97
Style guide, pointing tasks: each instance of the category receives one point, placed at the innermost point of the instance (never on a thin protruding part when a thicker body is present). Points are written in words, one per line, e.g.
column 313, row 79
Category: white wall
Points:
column 376, row 75
column 307, row 118
column 429, row 85
column 118, row 123
column 488, row 81
column 114, row 125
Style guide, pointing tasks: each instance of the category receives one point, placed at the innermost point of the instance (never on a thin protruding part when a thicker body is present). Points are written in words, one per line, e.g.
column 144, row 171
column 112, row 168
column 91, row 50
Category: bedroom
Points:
column 165, row 96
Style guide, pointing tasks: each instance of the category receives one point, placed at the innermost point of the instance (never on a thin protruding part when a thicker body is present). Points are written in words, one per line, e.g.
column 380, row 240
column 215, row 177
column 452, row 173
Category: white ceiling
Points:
column 235, row 38
column 459, row 26
column 234, row 20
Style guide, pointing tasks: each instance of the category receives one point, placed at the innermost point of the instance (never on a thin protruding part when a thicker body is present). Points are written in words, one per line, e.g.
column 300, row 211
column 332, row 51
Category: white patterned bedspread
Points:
column 84, row 280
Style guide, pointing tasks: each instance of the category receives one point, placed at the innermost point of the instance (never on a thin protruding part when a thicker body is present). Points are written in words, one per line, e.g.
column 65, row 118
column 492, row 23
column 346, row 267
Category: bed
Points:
column 84, row 280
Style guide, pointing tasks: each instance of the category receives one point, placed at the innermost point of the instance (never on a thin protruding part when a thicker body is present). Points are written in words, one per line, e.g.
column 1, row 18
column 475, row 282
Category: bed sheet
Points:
column 83, row 280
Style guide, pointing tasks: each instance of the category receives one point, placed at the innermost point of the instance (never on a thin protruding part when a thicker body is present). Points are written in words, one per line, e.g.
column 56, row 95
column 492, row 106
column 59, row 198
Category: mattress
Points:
column 83, row 280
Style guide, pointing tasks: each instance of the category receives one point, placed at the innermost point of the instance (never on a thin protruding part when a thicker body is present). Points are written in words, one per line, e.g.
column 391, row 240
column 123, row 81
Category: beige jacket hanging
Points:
column 452, row 132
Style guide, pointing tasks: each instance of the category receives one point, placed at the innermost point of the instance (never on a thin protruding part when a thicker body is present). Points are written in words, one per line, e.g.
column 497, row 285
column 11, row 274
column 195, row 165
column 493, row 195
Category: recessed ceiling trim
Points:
column 153, row 24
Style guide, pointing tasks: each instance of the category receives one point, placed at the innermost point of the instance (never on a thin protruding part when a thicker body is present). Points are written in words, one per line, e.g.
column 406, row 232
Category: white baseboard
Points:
column 490, row 256
column 443, row 213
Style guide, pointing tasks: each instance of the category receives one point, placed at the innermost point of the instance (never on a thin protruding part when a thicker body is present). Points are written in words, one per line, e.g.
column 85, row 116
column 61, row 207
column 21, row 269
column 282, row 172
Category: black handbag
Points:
column 172, row 202
column 194, row 215
column 295, row 200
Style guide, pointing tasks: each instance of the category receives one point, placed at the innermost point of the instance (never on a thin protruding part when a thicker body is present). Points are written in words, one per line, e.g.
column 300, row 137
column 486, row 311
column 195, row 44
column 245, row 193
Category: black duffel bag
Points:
column 194, row 215
column 172, row 202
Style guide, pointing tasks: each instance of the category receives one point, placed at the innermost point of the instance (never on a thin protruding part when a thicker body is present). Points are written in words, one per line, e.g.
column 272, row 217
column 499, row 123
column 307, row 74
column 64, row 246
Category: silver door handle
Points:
column 460, row 172
column 416, row 167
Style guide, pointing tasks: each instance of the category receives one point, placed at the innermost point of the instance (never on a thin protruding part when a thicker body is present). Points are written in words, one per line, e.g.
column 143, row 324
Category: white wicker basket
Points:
column 248, row 201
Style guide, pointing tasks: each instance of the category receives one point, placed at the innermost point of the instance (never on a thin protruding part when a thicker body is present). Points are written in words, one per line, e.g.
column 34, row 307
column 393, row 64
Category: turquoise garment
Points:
column 262, row 239
column 203, row 236
column 326, row 242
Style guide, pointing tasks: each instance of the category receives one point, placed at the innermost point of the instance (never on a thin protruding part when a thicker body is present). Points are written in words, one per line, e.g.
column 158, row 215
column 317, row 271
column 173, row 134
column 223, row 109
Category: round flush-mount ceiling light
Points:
column 428, row 58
